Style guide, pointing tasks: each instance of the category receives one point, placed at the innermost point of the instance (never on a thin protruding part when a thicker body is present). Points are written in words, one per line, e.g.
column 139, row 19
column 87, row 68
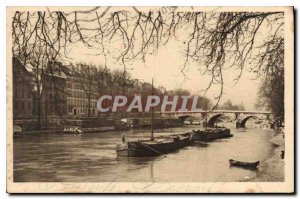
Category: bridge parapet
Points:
column 212, row 116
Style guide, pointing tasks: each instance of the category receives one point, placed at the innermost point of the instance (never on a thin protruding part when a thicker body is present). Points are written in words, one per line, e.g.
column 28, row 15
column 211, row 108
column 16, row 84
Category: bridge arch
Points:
column 213, row 119
column 277, row 123
column 242, row 124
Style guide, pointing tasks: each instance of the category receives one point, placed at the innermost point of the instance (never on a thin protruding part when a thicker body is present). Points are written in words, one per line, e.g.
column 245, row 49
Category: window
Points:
column 22, row 105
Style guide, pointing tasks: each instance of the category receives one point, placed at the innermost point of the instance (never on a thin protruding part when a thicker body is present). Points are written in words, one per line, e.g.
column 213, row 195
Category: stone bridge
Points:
column 241, row 117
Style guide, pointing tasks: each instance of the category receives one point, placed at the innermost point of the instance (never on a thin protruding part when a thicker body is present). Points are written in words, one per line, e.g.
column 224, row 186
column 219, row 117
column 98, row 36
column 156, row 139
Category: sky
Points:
column 165, row 69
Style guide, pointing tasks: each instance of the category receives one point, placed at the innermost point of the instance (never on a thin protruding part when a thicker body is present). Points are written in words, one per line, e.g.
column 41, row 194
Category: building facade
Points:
column 65, row 90
column 22, row 91
column 79, row 97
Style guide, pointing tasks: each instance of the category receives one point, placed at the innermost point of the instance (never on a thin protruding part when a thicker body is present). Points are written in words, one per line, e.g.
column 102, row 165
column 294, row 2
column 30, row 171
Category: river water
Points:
column 47, row 157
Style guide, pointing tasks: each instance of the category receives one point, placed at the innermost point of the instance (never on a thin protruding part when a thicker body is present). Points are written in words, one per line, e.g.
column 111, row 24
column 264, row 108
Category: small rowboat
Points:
column 252, row 165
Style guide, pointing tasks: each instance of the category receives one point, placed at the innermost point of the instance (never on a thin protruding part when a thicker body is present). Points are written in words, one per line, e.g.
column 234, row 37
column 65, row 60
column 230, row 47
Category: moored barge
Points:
column 210, row 134
column 153, row 147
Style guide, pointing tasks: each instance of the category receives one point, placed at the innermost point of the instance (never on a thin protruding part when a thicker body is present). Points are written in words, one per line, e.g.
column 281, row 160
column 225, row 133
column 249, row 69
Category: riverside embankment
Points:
column 272, row 169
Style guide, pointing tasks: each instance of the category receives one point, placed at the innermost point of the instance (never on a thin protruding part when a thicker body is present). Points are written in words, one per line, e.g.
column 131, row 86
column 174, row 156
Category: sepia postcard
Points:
column 150, row 99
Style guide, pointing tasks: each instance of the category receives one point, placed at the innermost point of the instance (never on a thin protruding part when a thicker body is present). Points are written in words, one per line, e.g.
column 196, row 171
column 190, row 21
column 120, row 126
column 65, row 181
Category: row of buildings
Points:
column 73, row 90
column 56, row 91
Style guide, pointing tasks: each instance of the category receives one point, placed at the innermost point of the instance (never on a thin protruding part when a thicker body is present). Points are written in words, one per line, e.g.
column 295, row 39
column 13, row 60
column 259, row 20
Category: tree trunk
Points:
column 46, row 113
column 89, row 105
column 39, row 113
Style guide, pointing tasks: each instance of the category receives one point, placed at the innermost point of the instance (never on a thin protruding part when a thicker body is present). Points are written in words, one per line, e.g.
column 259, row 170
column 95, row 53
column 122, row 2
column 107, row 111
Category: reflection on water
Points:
column 92, row 158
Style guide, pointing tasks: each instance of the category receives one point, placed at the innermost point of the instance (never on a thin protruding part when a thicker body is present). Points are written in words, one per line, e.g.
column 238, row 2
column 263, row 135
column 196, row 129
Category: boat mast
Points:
column 205, row 113
column 152, row 138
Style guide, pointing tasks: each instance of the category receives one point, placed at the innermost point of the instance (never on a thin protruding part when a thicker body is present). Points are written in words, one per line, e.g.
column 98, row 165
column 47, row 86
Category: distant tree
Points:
column 161, row 90
column 229, row 106
column 271, row 94
column 181, row 92
column 241, row 107
column 102, row 75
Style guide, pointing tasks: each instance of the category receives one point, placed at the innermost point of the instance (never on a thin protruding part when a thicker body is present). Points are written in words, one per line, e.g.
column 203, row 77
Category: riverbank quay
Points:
column 93, row 124
column 272, row 169
column 158, row 123
column 40, row 131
